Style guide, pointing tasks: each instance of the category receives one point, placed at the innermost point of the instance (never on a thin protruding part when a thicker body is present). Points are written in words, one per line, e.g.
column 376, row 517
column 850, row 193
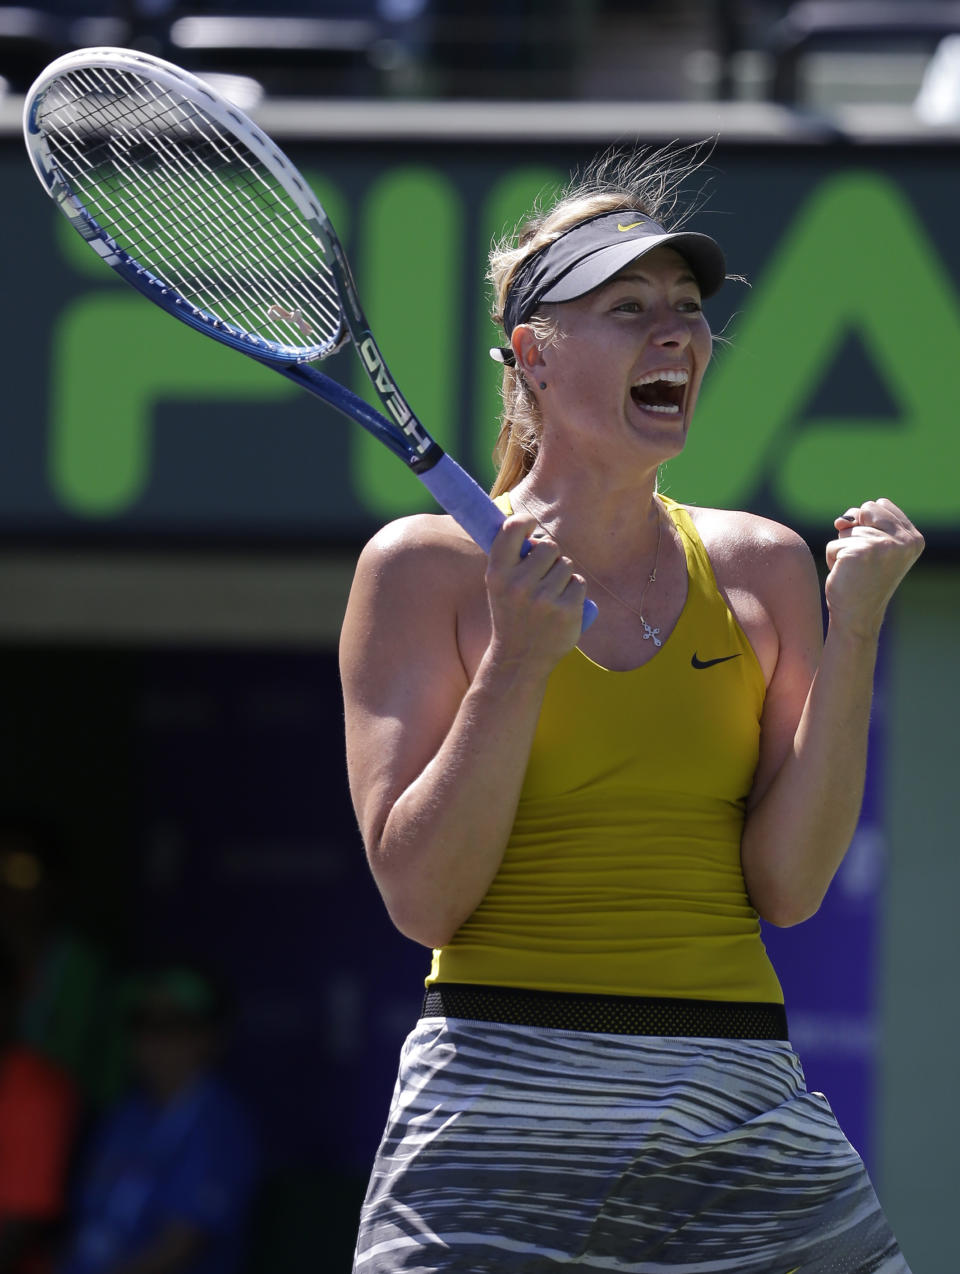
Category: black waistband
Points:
column 607, row 1014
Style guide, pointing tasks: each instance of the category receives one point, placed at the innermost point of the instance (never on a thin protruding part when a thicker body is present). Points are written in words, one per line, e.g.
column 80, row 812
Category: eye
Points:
column 629, row 307
column 690, row 306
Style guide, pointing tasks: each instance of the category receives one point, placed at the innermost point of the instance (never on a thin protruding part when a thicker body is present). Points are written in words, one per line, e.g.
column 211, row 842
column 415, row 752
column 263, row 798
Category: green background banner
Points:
column 835, row 377
column 833, row 381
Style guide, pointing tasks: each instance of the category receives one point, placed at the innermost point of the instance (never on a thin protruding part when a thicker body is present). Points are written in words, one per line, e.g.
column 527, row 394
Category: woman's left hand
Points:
column 876, row 545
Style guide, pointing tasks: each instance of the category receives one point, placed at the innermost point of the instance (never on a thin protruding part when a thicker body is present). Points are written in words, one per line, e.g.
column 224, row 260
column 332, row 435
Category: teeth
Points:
column 675, row 376
column 663, row 409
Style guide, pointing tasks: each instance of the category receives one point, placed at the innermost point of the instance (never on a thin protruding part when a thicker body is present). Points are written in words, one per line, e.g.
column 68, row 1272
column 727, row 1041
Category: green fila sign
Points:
column 855, row 261
column 790, row 421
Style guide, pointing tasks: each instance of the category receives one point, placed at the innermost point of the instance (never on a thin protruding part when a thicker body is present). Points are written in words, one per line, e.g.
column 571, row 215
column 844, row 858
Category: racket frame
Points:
column 400, row 430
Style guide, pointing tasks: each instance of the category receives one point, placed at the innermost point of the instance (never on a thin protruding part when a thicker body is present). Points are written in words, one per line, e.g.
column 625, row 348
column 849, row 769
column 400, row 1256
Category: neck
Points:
column 607, row 524
column 605, row 574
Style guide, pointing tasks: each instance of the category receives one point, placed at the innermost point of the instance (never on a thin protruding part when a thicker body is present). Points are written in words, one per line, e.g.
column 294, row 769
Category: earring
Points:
column 543, row 384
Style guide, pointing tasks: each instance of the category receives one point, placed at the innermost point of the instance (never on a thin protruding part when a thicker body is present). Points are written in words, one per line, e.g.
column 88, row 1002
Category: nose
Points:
column 670, row 331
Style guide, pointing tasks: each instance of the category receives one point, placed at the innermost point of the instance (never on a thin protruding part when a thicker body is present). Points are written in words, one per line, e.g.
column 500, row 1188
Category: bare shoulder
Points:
column 428, row 552
column 746, row 548
column 421, row 537
column 767, row 575
column 412, row 580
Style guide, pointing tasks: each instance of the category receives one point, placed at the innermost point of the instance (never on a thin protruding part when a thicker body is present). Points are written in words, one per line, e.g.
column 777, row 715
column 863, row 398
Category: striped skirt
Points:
column 518, row 1150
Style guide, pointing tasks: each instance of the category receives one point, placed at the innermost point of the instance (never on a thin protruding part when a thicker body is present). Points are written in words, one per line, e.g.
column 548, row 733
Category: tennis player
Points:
column 586, row 828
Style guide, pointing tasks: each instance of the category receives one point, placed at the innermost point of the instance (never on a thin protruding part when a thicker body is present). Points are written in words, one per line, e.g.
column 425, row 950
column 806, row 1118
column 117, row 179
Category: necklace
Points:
column 649, row 632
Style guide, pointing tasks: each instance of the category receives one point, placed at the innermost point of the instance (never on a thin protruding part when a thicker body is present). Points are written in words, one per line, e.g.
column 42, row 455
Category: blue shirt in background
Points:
column 193, row 1160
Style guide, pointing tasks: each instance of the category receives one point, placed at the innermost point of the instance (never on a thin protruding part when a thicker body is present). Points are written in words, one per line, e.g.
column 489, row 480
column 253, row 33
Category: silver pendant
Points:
column 651, row 634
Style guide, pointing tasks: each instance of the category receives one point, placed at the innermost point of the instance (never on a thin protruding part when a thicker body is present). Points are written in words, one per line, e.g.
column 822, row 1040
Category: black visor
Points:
column 593, row 251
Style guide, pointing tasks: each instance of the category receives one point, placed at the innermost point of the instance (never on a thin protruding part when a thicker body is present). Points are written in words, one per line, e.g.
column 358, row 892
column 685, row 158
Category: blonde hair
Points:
column 644, row 181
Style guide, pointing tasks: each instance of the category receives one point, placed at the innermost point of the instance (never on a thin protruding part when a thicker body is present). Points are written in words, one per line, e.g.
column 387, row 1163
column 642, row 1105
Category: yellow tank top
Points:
column 622, row 874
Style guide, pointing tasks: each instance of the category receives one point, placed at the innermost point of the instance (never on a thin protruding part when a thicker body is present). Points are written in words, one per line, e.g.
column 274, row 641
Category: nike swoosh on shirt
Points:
column 708, row 663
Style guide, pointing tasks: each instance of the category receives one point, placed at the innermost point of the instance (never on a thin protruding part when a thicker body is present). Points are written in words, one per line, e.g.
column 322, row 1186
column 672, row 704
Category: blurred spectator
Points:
column 167, row 1182
column 38, row 1109
column 67, row 1006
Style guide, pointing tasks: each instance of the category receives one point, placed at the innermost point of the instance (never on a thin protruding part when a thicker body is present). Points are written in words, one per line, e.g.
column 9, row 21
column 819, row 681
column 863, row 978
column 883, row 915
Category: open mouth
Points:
column 661, row 392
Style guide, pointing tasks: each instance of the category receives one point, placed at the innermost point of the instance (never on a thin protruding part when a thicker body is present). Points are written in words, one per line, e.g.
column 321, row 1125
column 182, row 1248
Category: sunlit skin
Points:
column 648, row 318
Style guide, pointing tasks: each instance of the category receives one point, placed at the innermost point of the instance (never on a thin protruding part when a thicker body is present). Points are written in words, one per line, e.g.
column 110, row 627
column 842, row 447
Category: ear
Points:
column 527, row 351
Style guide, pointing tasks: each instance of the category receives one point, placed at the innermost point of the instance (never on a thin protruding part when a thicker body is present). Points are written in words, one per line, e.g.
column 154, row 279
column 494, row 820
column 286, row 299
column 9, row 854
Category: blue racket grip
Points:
column 467, row 502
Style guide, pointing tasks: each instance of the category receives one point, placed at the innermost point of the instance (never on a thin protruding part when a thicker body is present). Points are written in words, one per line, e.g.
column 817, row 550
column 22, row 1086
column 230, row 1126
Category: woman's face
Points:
column 630, row 357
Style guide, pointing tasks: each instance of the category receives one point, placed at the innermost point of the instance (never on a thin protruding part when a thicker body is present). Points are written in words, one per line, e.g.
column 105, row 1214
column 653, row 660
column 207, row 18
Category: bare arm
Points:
column 809, row 786
column 436, row 756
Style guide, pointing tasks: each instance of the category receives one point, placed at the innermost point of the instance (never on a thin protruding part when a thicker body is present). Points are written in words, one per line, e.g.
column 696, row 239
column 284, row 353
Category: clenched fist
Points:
column 876, row 545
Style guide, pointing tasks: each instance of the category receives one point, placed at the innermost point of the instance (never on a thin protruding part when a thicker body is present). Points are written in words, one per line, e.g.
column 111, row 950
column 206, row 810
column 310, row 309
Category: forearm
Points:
column 797, row 834
column 445, row 834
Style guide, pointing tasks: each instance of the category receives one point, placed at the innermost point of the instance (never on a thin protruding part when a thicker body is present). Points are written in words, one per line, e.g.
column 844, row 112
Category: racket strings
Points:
column 203, row 233
column 128, row 152
column 193, row 205
column 179, row 171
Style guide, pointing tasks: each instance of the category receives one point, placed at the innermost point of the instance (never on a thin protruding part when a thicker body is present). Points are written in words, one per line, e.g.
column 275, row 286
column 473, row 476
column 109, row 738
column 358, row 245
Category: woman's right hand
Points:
column 536, row 597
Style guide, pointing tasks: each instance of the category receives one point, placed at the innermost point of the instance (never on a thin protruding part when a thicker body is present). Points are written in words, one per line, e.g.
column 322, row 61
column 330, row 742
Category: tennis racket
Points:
column 194, row 206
